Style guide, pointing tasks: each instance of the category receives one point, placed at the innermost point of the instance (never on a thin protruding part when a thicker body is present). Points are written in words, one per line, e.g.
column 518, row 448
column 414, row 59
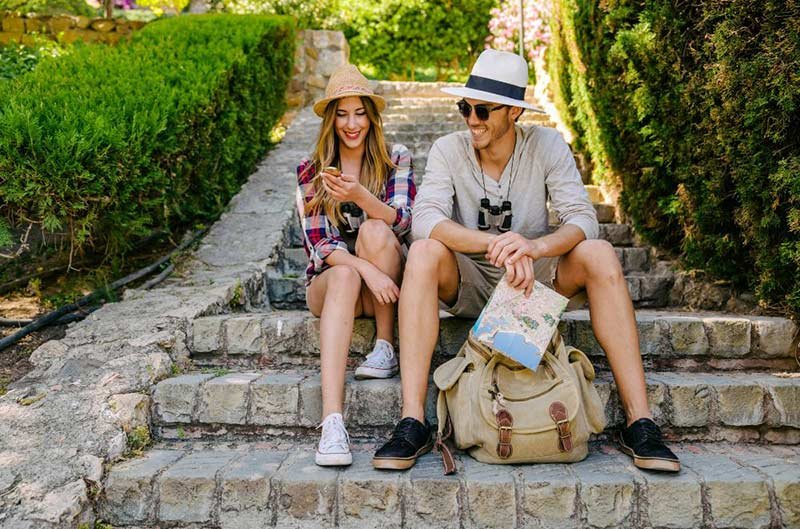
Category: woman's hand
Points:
column 381, row 285
column 344, row 188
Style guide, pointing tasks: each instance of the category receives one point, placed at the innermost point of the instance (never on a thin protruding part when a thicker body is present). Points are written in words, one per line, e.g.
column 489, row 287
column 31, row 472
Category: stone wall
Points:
column 21, row 28
column 317, row 55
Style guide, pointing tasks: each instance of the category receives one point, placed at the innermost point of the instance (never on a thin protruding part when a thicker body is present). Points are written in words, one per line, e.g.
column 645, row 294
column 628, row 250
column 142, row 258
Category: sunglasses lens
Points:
column 481, row 111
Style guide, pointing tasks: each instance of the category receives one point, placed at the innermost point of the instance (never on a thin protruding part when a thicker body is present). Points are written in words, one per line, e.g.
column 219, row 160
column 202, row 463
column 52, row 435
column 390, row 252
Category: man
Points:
column 462, row 248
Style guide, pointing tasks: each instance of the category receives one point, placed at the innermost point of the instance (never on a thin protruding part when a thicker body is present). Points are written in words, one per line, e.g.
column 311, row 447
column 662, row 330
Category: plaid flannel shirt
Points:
column 321, row 237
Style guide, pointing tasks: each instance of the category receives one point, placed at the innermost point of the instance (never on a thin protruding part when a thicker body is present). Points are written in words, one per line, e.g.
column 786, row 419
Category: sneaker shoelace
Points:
column 381, row 356
column 402, row 433
column 334, row 434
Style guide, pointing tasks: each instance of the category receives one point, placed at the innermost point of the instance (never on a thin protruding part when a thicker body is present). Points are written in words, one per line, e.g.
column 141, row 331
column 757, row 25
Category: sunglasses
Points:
column 481, row 111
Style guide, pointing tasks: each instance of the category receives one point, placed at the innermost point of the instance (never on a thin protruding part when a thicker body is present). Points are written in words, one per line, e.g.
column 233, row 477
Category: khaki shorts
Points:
column 478, row 277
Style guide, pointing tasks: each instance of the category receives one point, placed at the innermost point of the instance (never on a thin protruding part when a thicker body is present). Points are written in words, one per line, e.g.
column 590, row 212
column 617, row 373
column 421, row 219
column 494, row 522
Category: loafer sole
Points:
column 400, row 463
column 651, row 463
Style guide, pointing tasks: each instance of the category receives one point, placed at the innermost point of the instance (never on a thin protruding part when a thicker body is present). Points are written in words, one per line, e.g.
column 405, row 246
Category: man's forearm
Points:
column 461, row 239
column 561, row 241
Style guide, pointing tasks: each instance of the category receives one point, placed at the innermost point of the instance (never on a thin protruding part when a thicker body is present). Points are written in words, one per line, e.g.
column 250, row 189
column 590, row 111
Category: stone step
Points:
column 399, row 115
column 251, row 487
column 736, row 407
column 286, row 290
column 669, row 339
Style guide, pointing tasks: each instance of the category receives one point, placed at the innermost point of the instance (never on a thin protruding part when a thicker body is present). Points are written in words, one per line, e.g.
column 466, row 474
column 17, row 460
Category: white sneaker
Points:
column 380, row 363
column 334, row 445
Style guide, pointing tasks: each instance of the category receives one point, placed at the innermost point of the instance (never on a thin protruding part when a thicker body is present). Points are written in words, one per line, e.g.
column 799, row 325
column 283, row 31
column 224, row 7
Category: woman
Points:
column 354, row 263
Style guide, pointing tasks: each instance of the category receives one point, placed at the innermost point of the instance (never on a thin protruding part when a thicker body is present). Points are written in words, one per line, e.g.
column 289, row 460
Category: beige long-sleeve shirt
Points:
column 542, row 165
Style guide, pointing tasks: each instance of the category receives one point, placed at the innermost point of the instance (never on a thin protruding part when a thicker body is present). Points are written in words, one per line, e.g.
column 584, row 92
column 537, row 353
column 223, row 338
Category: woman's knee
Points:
column 374, row 236
column 344, row 278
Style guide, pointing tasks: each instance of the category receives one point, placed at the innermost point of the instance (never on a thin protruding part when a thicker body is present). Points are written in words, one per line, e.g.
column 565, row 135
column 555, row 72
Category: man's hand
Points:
column 344, row 188
column 502, row 247
column 520, row 274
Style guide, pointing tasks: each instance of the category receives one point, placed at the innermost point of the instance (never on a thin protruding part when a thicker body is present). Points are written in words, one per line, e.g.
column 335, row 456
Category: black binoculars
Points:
column 499, row 216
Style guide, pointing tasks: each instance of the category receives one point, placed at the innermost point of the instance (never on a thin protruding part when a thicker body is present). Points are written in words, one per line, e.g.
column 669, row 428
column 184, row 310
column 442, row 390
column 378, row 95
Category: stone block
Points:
column 103, row 25
column 491, row 496
column 674, row 501
column 785, row 476
column 372, row 402
column 13, row 24
column 687, row 335
column 691, row 399
column 34, row 24
column 634, row 287
column 655, row 288
column 7, row 37
column 288, row 333
column 453, row 333
column 187, row 488
column 275, row 399
column 548, row 497
column 245, row 490
column 316, row 81
column 616, row 234
column 740, row 402
column 652, row 335
column 306, row 493
column 82, row 22
column 728, row 337
column 431, row 498
column 243, row 335
column 369, row 498
column 605, row 213
column 224, row 400
column 773, row 337
column 174, row 398
column 130, row 410
column 607, row 491
column 785, row 393
column 60, row 23
column 207, row 334
column 310, row 401
column 636, row 259
column 128, row 493
column 736, row 496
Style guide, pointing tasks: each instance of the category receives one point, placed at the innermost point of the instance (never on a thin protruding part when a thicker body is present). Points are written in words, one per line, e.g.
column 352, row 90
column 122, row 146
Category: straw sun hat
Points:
column 347, row 81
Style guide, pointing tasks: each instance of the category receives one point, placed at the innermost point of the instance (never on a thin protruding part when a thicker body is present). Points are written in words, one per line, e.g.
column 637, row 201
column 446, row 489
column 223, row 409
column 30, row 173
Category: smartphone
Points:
column 332, row 170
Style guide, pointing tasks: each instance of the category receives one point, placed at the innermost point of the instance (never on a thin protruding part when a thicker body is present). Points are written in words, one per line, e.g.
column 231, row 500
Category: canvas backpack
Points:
column 502, row 412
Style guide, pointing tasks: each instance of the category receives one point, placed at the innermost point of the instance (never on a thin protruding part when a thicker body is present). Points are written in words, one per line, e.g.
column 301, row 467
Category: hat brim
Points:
column 489, row 97
column 322, row 104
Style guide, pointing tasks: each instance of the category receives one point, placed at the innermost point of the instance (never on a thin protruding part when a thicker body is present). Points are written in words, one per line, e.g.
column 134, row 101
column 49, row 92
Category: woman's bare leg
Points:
column 334, row 296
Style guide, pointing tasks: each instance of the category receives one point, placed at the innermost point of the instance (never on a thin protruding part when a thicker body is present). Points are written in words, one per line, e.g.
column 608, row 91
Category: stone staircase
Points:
column 235, row 433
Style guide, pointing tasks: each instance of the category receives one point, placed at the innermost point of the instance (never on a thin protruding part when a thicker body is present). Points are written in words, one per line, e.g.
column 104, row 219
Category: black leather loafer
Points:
column 410, row 440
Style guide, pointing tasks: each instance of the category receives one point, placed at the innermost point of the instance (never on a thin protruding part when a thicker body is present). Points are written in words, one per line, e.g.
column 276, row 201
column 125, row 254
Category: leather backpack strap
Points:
column 505, row 422
column 558, row 412
column 448, row 461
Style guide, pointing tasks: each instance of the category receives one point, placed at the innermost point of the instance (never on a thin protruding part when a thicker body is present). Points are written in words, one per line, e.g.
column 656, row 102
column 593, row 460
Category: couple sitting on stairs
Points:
column 360, row 267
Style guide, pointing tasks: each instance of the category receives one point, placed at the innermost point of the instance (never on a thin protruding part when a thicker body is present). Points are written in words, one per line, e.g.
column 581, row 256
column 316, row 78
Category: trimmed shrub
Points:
column 693, row 110
column 111, row 144
column 398, row 37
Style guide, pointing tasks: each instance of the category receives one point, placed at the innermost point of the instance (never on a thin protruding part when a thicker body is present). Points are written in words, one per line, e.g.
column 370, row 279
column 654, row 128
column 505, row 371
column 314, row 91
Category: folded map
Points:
column 519, row 327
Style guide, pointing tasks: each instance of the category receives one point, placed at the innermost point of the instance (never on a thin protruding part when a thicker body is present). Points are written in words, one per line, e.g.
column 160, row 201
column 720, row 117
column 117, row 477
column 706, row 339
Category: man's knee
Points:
column 598, row 259
column 426, row 255
column 373, row 236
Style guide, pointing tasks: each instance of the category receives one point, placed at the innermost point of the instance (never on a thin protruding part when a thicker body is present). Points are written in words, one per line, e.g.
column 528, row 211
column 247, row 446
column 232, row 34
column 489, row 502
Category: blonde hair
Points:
column 375, row 164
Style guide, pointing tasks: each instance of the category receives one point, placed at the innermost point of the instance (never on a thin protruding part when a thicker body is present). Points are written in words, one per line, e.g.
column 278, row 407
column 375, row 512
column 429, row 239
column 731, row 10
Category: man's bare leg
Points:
column 593, row 265
column 431, row 274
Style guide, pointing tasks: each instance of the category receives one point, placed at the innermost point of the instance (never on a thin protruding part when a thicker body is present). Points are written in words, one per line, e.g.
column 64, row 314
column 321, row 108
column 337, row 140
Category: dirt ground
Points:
column 14, row 360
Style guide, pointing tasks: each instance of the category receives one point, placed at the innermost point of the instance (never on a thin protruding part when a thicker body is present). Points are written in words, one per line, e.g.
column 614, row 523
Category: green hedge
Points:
column 113, row 143
column 398, row 37
column 693, row 110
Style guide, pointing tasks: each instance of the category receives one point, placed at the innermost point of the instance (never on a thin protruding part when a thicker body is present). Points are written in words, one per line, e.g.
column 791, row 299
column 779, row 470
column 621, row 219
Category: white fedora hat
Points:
column 497, row 77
